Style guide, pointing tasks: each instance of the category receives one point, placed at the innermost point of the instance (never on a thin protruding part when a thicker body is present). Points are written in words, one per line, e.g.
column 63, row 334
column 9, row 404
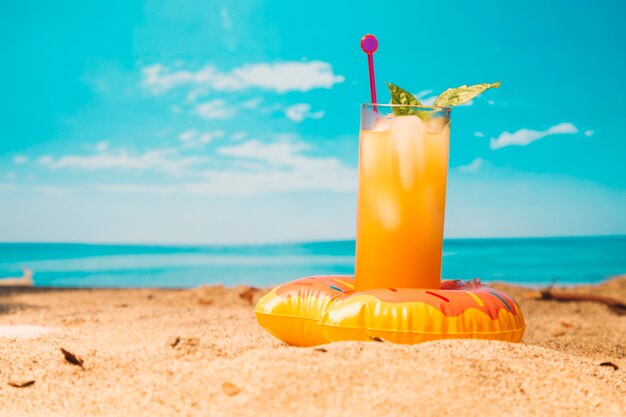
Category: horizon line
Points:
column 291, row 242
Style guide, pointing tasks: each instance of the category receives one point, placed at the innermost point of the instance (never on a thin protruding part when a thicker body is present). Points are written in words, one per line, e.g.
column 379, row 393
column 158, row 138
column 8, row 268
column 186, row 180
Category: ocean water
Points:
column 532, row 262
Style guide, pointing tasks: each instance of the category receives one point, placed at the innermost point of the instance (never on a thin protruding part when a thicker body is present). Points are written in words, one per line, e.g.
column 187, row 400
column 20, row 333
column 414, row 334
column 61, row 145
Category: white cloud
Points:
column 289, row 76
column 167, row 161
column 491, row 102
column 215, row 109
column 187, row 135
column 252, row 103
column 20, row 159
column 45, row 159
column 286, row 168
column 473, row 166
column 209, row 136
column 10, row 176
column 280, row 77
column 193, row 139
column 299, row 112
column 562, row 128
column 195, row 93
column 102, row 146
column 259, row 168
column 479, row 134
column 237, row 136
column 283, row 153
column 588, row 133
column 245, row 168
column 158, row 79
column 524, row 137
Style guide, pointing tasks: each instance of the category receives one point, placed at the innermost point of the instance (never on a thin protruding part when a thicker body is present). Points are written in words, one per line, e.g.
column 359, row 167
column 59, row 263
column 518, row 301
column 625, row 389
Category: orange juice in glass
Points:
column 403, row 167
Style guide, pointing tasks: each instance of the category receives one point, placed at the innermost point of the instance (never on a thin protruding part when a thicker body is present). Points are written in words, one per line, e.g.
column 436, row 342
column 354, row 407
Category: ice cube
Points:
column 436, row 124
column 407, row 136
column 381, row 123
column 388, row 212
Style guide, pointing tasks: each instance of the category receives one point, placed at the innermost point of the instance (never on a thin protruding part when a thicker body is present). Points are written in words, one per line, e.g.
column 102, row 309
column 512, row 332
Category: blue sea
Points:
column 532, row 262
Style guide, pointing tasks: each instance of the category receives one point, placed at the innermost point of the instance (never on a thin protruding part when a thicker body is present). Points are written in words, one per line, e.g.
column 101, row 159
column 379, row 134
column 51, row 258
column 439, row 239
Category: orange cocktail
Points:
column 402, row 195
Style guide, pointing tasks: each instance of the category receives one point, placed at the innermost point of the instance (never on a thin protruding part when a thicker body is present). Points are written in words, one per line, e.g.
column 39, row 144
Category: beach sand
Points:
column 200, row 352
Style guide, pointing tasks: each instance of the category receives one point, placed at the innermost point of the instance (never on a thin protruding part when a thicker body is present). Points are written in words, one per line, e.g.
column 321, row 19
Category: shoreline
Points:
column 529, row 286
column 200, row 352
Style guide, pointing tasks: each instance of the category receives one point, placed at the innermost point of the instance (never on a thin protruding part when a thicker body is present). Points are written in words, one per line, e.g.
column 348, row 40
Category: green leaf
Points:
column 401, row 96
column 462, row 94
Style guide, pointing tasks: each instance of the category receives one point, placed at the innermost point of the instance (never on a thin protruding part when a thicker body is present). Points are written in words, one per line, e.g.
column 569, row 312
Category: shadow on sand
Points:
column 7, row 293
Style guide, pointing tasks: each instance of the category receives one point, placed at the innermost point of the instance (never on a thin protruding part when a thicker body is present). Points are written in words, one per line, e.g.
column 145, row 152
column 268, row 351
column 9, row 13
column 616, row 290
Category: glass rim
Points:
column 412, row 106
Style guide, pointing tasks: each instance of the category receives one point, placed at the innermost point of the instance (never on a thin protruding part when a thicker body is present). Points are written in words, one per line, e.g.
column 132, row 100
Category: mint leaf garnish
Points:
column 401, row 96
column 462, row 94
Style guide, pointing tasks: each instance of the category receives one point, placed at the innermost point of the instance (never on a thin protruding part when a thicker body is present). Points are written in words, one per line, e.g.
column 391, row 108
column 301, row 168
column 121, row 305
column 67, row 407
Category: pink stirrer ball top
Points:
column 369, row 44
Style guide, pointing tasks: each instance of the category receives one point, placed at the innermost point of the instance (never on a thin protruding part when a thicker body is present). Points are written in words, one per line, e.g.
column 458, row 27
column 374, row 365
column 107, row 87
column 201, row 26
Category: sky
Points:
column 237, row 121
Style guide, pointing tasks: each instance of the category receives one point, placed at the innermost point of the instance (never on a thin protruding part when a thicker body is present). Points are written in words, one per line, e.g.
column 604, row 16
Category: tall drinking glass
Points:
column 403, row 166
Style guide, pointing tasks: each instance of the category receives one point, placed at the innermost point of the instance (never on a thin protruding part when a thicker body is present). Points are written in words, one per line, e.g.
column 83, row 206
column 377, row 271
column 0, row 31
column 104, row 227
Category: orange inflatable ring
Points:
column 316, row 310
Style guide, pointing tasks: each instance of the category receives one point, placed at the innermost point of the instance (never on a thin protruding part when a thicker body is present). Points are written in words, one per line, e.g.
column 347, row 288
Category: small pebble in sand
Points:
column 72, row 358
column 21, row 383
column 248, row 294
column 173, row 341
column 610, row 365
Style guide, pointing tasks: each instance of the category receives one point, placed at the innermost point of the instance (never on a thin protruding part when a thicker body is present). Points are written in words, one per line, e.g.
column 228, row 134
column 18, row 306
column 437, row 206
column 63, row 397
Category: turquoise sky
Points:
column 216, row 121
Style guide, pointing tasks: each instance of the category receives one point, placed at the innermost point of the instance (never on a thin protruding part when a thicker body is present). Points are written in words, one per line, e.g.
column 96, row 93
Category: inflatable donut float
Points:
column 317, row 310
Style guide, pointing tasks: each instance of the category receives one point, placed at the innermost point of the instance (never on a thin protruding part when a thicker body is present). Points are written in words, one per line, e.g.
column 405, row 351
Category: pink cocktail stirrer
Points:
column 369, row 44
